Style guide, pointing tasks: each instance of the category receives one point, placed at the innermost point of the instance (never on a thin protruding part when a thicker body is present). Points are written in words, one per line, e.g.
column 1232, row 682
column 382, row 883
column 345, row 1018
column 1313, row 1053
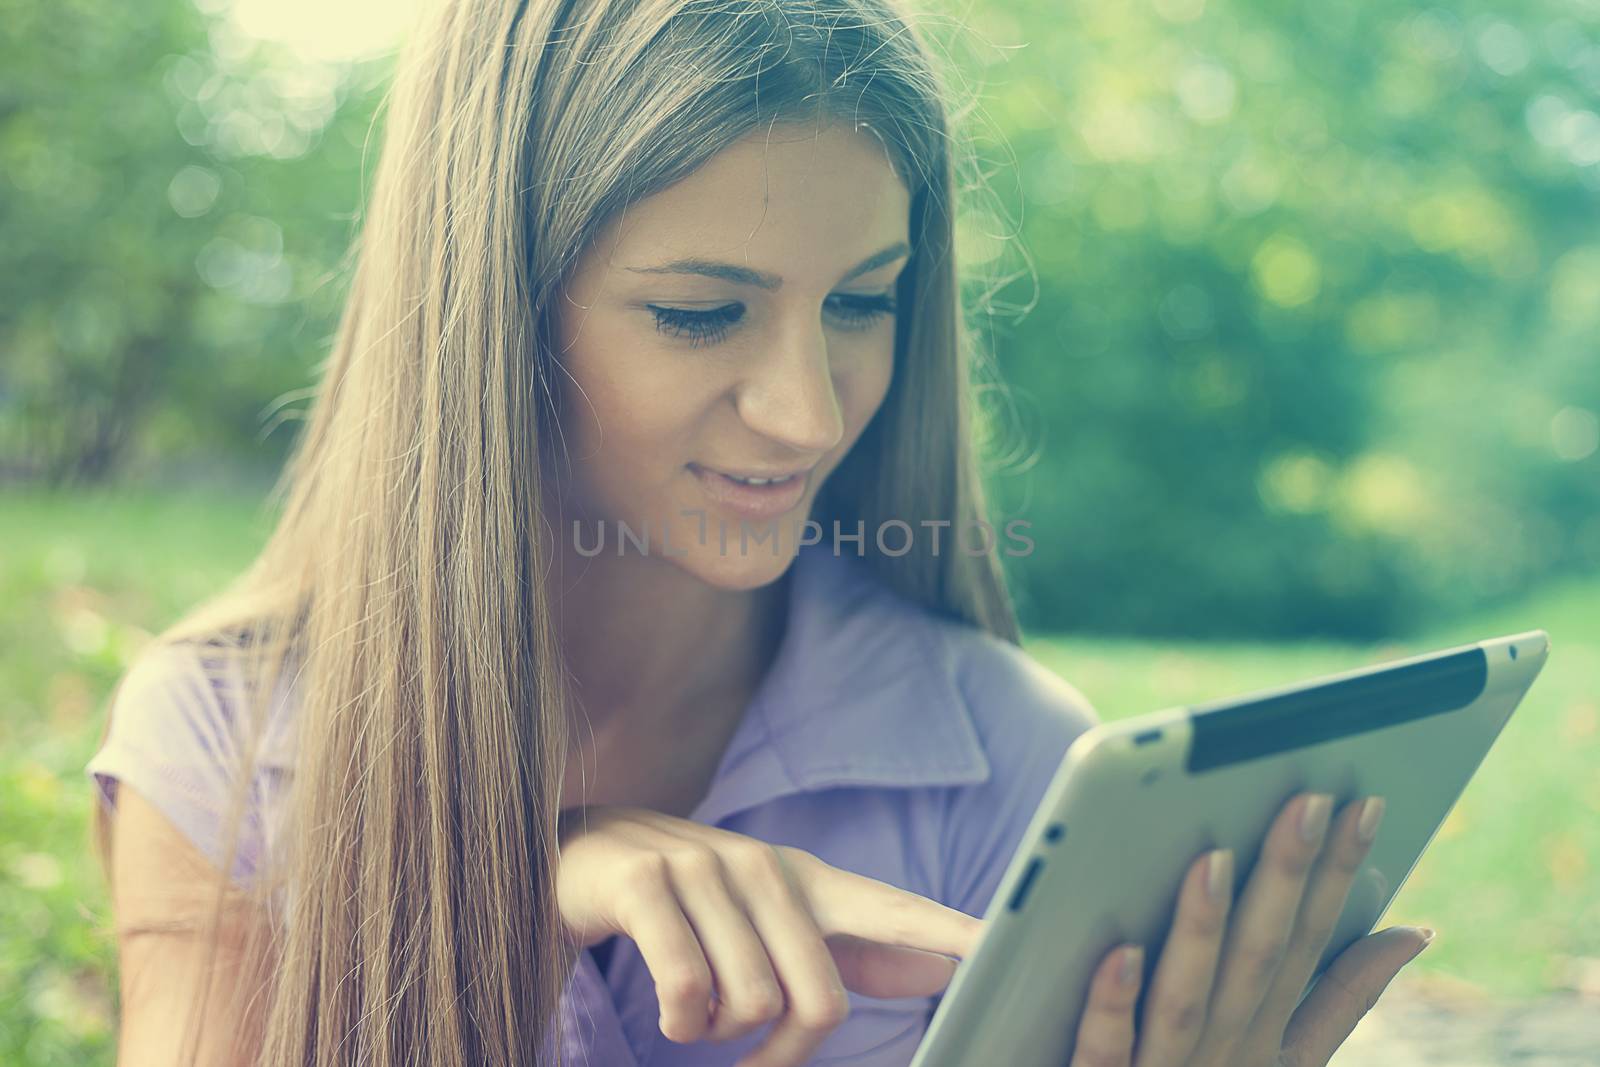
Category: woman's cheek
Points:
column 864, row 389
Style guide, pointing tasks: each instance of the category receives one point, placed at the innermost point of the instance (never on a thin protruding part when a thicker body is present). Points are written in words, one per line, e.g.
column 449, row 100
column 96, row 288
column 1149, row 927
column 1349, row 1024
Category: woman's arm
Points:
column 162, row 895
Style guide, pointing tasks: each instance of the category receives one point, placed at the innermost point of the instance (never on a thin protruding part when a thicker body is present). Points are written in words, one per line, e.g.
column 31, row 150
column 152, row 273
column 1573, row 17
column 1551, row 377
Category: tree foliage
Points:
column 1301, row 320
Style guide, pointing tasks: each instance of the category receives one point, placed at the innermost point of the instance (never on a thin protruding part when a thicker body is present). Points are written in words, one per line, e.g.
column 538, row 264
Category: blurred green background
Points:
column 1298, row 305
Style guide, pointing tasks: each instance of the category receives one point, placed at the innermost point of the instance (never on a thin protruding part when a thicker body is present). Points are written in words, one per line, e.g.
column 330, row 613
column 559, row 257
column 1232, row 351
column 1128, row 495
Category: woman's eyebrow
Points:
column 732, row 272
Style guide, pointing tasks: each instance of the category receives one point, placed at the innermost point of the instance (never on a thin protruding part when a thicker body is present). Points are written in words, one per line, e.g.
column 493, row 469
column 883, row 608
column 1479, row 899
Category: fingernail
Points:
column 1371, row 816
column 1132, row 964
column 1219, row 874
column 1314, row 817
column 1427, row 933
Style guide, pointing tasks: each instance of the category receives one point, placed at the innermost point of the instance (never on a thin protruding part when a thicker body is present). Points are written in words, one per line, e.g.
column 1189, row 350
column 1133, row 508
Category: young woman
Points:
column 514, row 745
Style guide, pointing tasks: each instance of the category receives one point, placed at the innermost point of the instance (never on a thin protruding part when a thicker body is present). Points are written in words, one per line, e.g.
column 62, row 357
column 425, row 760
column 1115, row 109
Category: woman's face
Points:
column 767, row 354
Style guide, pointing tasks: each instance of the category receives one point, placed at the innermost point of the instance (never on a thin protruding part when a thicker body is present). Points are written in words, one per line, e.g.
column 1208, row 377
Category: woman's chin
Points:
column 733, row 571
column 721, row 551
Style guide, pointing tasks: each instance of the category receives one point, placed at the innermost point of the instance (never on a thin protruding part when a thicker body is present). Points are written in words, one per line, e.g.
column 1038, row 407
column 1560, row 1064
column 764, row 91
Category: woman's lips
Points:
column 751, row 501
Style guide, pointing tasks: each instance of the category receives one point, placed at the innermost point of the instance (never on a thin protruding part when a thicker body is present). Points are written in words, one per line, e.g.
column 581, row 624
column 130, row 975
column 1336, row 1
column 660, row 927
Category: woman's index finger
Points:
column 845, row 902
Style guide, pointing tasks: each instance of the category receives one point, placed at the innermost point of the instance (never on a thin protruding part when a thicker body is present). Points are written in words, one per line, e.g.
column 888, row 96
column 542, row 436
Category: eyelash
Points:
column 709, row 327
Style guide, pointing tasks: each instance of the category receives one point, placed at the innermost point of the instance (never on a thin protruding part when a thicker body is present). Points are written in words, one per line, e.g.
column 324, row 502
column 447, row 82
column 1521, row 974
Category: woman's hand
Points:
column 772, row 932
column 1225, row 993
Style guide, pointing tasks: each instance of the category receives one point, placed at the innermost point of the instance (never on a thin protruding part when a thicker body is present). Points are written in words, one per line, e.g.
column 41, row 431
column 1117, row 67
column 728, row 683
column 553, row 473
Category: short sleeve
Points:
column 1027, row 716
column 173, row 738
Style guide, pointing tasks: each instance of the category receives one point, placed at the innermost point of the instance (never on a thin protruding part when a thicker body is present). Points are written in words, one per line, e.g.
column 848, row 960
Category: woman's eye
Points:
column 701, row 327
column 709, row 327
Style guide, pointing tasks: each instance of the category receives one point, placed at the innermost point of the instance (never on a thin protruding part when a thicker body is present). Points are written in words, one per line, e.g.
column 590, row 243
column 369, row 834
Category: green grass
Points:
column 1511, row 883
column 84, row 580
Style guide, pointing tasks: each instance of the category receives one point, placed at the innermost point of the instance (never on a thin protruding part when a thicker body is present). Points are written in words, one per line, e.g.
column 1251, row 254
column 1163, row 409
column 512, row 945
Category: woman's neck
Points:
column 663, row 665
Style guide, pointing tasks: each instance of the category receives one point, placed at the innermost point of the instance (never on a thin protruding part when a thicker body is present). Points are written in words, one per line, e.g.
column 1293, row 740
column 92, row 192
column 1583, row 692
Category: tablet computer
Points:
column 1135, row 802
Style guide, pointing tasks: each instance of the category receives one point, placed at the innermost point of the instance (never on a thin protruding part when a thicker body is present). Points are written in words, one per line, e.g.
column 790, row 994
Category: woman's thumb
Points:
column 1346, row 991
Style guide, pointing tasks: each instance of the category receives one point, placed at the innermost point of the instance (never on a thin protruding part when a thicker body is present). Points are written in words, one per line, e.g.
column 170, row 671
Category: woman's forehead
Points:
column 807, row 207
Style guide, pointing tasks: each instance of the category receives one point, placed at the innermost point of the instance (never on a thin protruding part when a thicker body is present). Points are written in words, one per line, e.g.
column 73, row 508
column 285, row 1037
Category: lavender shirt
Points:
column 885, row 740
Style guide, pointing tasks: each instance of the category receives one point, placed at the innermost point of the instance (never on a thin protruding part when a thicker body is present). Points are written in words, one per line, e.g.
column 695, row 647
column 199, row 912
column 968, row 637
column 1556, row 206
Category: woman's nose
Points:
column 790, row 394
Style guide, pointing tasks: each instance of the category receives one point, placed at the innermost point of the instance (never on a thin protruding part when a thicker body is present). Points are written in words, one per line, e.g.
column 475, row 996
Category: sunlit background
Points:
column 314, row 31
column 1298, row 306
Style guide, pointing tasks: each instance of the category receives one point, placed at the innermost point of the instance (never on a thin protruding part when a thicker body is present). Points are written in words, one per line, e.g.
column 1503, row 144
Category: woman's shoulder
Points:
column 178, row 733
column 1008, row 690
column 166, row 686
column 188, row 700
column 1026, row 716
column 1014, row 701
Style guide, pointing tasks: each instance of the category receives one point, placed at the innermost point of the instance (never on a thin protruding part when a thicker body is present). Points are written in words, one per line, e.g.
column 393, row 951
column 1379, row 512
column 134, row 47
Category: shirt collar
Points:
column 862, row 691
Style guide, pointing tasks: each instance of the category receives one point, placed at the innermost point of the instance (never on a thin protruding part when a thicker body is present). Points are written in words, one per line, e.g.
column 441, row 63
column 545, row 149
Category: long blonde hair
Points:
column 403, row 577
